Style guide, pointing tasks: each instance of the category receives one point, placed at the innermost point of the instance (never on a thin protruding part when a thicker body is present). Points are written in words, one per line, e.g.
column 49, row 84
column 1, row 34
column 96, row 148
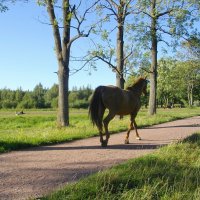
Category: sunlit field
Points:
column 38, row 127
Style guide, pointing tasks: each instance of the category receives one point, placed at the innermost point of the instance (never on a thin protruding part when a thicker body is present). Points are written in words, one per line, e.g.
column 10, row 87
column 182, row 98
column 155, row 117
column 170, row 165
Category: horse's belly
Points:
column 124, row 112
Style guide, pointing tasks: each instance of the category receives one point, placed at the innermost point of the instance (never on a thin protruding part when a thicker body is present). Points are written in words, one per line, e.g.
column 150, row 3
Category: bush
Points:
column 197, row 103
column 26, row 104
column 9, row 104
column 79, row 104
column 54, row 103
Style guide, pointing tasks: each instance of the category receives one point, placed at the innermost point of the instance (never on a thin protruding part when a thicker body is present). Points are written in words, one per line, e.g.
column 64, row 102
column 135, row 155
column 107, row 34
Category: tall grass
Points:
column 173, row 172
column 39, row 127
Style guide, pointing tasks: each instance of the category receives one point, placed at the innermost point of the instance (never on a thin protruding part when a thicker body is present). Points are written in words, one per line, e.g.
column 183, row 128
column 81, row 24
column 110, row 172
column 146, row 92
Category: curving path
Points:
column 37, row 171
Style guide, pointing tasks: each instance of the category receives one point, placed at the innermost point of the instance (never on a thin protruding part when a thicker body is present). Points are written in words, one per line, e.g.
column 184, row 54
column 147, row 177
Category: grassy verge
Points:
column 39, row 127
column 173, row 172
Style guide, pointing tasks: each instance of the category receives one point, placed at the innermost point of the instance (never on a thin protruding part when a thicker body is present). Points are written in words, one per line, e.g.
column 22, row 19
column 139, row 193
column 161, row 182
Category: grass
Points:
column 39, row 127
column 173, row 172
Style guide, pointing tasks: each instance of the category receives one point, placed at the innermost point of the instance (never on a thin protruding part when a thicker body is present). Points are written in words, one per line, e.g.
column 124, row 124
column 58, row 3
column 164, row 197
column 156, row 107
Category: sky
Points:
column 27, row 54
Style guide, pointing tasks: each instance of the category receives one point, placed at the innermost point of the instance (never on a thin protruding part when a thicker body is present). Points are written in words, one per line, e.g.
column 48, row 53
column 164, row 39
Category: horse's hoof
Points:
column 104, row 143
column 138, row 138
column 126, row 141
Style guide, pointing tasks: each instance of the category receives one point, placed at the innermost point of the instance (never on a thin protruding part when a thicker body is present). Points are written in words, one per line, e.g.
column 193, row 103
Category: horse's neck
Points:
column 137, row 90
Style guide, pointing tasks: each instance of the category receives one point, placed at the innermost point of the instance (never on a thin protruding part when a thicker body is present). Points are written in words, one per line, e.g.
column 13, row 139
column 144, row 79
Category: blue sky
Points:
column 27, row 54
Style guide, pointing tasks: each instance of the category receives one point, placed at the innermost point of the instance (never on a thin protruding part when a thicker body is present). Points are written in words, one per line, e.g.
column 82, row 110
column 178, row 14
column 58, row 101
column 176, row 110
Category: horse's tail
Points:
column 97, row 108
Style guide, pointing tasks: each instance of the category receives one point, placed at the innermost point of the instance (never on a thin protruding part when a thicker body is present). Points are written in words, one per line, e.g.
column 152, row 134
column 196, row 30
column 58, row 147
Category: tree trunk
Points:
column 190, row 94
column 120, row 47
column 63, row 105
column 63, row 53
column 153, row 75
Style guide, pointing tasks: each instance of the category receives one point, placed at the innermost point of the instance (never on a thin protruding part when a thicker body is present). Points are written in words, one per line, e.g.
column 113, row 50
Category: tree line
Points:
column 42, row 97
column 178, row 86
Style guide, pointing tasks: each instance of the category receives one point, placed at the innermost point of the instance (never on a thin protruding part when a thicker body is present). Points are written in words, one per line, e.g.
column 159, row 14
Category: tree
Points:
column 80, row 98
column 167, row 19
column 38, row 96
column 27, row 101
column 51, row 97
column 63, row 43
column 113, row 15
column 167, row 79
column 189, row 72
column 178, row 81
column 19, row 94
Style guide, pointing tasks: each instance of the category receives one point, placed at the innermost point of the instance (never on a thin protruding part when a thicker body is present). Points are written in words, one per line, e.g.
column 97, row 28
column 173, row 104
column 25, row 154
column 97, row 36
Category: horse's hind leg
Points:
column 106, row 121
column 100, row 127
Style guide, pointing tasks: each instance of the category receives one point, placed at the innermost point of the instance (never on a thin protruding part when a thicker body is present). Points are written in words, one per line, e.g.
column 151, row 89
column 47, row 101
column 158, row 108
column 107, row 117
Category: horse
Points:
column 118, row 102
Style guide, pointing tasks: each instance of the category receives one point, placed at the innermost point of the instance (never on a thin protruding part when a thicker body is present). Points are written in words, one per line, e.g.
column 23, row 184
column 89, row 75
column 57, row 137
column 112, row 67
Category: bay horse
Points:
column 118, row 102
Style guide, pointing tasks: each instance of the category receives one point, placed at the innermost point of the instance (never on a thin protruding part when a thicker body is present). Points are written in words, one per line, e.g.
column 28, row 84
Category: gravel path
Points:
column 37, row 171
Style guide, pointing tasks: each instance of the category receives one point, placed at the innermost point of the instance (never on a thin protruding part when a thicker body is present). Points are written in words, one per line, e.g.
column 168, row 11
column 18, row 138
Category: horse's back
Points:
column 118, row 100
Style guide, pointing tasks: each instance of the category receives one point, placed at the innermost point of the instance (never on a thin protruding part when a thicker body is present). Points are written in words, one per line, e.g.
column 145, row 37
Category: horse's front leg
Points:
column 128, row 132
column 135, row 127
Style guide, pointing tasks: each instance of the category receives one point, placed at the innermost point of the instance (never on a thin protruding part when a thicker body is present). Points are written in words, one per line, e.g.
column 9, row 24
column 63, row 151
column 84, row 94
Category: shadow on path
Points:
column 178, row 126
column 111, row 147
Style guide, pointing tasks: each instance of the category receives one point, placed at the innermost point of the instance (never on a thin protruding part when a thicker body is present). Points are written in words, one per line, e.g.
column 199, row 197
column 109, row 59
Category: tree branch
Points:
column 109, row 63
column 164, row 13
column 56, row 33
column 79, row 23
column 146, row 70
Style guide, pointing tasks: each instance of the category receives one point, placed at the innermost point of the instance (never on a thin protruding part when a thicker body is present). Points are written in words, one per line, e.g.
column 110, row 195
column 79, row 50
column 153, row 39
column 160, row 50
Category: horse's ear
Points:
column 145, row 77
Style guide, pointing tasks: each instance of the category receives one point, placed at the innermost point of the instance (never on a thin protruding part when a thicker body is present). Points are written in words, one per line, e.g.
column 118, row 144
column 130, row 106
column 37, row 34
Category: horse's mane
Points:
column 137, row 82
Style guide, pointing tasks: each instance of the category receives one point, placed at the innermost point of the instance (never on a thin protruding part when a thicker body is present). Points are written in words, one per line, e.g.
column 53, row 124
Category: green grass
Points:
column 39, row 127
column 171, row 173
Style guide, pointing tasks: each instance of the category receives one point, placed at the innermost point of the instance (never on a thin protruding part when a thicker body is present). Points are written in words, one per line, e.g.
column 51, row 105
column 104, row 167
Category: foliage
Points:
column 80, row 98
column 170, row 173
column 42, row 98
column 3, row 7
column 51, row 97
column 175, row 20
column 113, row 47
column 39, row 127
column 4, row 4
column 178, row 82
column 192, row 46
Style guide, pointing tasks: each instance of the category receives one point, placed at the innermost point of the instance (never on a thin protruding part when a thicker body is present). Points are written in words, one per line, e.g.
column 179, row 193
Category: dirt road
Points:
column 37, row 171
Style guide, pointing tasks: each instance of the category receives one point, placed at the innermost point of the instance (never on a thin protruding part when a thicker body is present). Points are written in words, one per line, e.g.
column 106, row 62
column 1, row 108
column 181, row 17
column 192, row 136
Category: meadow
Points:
column 38, row 127
column 172, row 172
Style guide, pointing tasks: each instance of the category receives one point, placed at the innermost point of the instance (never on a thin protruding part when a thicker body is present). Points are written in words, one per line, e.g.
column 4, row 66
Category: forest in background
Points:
column 178, row 85
column 42, row 97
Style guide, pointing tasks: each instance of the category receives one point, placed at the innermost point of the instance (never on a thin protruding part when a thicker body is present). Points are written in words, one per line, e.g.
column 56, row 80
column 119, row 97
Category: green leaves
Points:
column 174, row 79
column 3, row 8
column 104, row 35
